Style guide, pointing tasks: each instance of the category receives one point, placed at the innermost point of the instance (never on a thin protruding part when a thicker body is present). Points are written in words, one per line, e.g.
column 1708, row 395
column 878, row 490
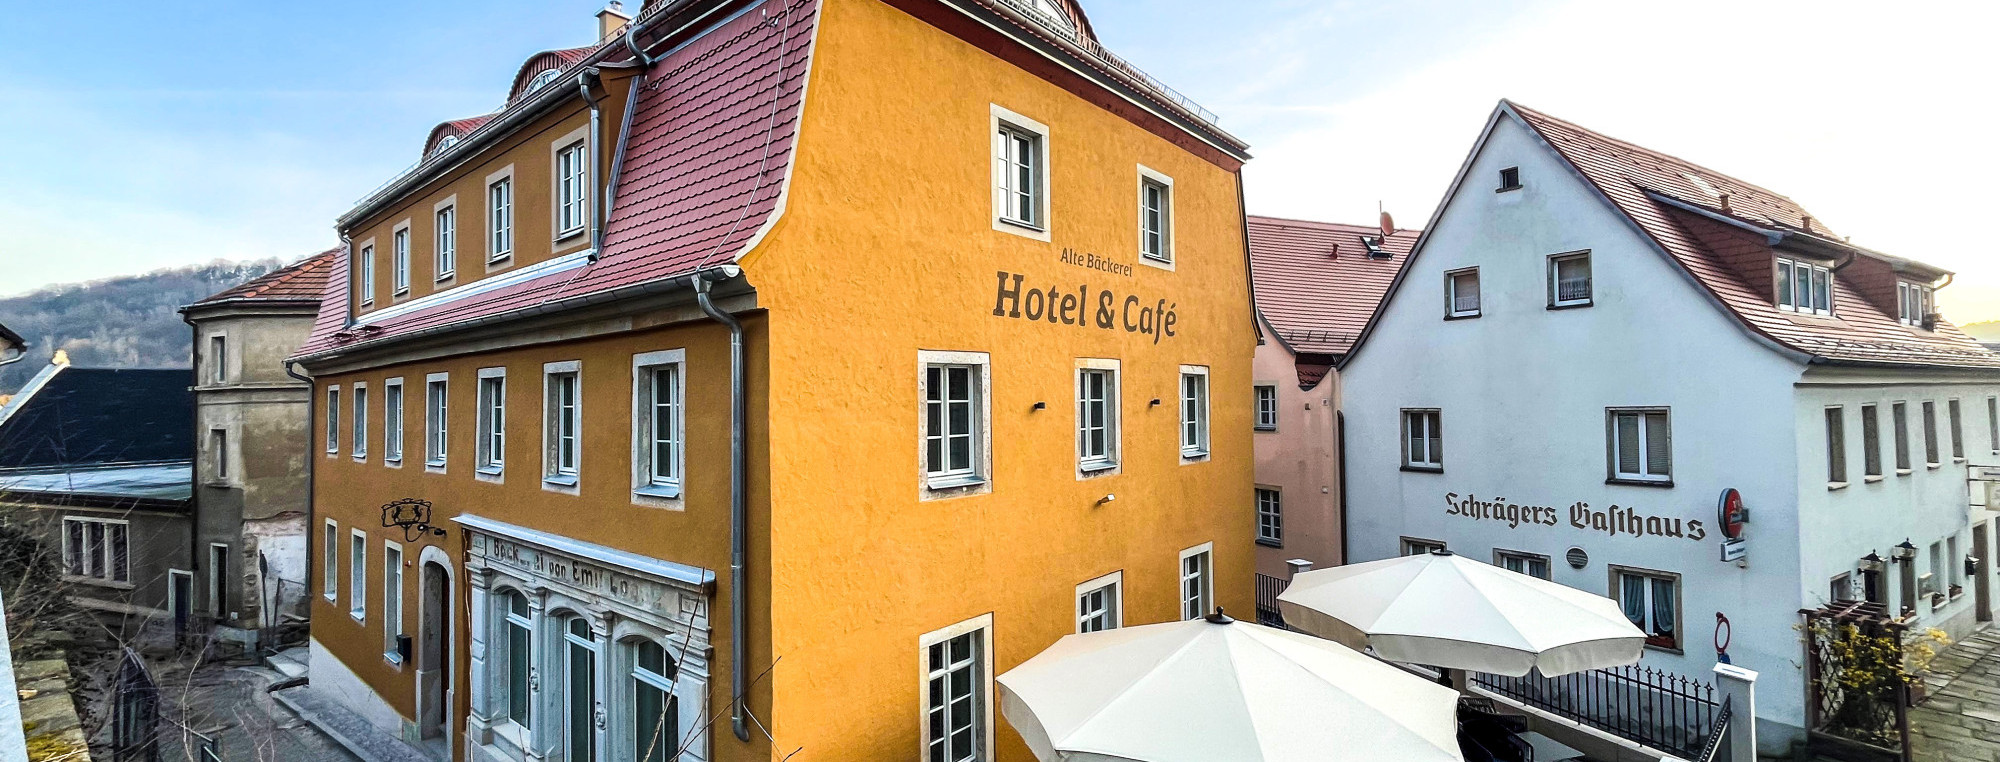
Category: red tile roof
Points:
column 1727, row 243
column 710, row 148
column 545, row 61
column 457, row 128
column 301, row 281
column 1315, row 281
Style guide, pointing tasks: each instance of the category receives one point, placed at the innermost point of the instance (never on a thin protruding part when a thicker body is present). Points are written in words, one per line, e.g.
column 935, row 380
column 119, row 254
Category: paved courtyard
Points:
column 1961, row 721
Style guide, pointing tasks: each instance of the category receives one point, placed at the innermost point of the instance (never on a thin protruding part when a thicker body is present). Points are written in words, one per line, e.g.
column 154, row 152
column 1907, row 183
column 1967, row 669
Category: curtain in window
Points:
column 1663, row 608
column 1632, row 598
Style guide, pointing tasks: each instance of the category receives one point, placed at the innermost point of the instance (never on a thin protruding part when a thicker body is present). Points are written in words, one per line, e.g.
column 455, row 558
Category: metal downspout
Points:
column 596, row 156
column 739, row 513
column 312, row 413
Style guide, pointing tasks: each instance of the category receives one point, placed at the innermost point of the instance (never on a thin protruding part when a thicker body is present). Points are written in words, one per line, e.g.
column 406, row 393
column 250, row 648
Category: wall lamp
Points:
column 1904, row 552
column 1041, row 406
column 1106, row 499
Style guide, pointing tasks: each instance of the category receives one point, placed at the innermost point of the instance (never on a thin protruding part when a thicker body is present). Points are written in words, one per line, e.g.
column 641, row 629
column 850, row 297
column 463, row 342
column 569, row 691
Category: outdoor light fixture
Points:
column 1904, row 552
column 1154, row 403
column 1041, row 406
column 1871, row 562
column 1106, row 499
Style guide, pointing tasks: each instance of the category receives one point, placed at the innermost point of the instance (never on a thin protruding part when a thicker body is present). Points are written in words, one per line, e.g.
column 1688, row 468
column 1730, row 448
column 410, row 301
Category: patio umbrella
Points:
column 1453, row 612
column 1217, row 690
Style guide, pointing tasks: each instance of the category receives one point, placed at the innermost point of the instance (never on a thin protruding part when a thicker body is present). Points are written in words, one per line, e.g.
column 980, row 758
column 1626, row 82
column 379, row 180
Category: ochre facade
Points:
column 884, row 247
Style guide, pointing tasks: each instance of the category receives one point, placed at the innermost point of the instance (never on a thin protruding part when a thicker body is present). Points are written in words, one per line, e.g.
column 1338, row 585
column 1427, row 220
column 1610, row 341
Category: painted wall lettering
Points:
column 1075, row 258
column 1080, row 306
column 1612, row 521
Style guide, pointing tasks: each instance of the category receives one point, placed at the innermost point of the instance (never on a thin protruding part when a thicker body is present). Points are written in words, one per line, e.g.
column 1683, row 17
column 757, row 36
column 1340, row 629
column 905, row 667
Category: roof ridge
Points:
column 1324, row 223
column 1636, row 148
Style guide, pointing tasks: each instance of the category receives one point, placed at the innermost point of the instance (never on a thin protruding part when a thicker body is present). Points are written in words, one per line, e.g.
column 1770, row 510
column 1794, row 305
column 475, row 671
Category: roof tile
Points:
column 1316, row 284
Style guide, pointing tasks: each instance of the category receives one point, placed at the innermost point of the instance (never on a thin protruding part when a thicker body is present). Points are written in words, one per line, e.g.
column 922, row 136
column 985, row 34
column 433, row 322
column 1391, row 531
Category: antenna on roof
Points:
column 1388, row 225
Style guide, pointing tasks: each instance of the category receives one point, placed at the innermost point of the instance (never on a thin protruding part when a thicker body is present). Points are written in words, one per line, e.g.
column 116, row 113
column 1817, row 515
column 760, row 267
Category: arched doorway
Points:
column 433, row 652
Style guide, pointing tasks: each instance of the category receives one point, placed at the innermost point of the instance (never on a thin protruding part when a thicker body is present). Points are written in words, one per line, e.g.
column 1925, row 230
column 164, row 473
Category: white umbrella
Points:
column 1215, row 690
column 1450, row 611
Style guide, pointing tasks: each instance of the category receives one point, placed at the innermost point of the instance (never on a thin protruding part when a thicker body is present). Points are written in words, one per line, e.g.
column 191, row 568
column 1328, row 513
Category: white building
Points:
column 1592, row 341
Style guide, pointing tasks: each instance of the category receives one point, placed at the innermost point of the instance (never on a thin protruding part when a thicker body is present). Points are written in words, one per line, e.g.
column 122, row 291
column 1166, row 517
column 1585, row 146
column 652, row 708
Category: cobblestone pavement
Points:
column 231, row 705
column 1961, row 721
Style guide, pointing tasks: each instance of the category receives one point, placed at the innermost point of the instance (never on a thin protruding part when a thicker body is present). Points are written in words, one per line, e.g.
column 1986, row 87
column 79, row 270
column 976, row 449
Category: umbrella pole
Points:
column 1456, row 678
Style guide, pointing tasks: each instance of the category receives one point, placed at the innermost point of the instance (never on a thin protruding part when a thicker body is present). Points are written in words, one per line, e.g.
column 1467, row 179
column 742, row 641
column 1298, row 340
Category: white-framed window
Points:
column 218, row 359
column 1423, row 439
column 1913, row 304
column 492, row 427
column 655, row 713
column 366, row 276
column 579, row 687
column 1156, row 216
column 957, row 449
column 358, row 447
column 1871, row 441
column 1651, row 600
column 97, row 549
column 562, row 421
column 392, row 421
column 1270, row 517
column 1197, row 589
column 572, row 180
column 329, row 561
column 1640, row 444
column 516, row 641
column 1417, row 546
column 1569, row 279
column 218, row 455
column 1899, row 418
column 1100, row 603
column 357, row 575
column 1956, row 417
column 399, row 259
column 542, row 79
column 1194, row 411
column 1930, row 434
column 1461, row 293
column 333, row 420
column 1531, row 564
column 1097, row 415
column 1954, row 565
column 1020, row 174
column 659, row 427
column 1804, row 287
column 1267, row 407
column 957, row 694
column 1836, row 445
column 499, row 217
column 392, row 600
column 437, row 409
column 445, row 253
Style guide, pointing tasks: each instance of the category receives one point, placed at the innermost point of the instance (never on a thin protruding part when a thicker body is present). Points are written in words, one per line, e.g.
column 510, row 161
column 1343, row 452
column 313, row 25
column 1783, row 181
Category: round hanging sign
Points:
column 1731, row 514
column 1577, row 558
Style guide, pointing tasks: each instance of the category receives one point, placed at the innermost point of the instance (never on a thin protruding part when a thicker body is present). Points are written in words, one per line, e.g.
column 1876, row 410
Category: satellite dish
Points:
column 1388, row 225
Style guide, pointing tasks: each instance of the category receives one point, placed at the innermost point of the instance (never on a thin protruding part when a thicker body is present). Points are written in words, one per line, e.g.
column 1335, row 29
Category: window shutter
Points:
column 1659, row 445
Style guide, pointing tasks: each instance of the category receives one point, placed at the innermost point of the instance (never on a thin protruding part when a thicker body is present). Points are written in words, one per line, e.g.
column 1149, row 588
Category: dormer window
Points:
column 1804, row 287
column 1913, row 304
column 444, row 144
column 541, row 79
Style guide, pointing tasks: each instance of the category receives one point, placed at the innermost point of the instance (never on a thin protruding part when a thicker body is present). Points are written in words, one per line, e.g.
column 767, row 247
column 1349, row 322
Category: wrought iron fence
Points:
column 1268, row 588
column 1648, row 706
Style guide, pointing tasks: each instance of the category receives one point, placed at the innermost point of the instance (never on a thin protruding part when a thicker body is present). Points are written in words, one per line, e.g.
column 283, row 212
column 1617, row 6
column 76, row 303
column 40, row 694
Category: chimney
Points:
column 611, row 20
column 1724, row 198
column 61, row 358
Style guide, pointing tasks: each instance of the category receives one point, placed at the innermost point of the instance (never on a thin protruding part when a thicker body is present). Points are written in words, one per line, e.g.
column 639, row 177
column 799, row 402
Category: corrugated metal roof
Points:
column 1316, row 283
column 154, row 481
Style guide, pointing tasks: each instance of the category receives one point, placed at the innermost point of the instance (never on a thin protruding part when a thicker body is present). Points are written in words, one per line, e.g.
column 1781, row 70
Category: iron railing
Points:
column 1651, row 707
column 1713, row 751
column 1268, row 588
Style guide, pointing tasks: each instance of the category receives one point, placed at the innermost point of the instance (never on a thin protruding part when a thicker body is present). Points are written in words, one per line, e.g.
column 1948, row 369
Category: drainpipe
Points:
column 1340, row 440
column 312, row 526
column 739, row 513
column 596, row 151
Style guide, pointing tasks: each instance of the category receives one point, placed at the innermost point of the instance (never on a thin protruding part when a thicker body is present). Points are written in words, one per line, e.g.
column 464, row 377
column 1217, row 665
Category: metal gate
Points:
column 135, row 729
column 1857, row 692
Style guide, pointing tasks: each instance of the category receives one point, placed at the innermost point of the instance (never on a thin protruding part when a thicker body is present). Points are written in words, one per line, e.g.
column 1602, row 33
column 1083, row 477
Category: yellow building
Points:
column 834, row 354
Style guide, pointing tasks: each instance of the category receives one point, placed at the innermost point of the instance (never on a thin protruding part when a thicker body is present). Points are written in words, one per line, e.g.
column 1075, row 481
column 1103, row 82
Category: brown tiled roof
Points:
column 1726, row 245
column 1316, row 284
column 710, row 148
column 301, row 281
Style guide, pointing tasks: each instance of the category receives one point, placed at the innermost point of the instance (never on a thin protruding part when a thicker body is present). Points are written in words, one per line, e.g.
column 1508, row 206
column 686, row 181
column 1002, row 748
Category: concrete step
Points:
column 290, row 662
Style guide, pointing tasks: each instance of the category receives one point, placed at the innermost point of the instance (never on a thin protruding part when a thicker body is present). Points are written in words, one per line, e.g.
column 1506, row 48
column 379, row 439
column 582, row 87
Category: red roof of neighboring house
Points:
column 457, row 128
column 710, row 148
column 1724, row 231
column 1316, row 283
column 301, row 281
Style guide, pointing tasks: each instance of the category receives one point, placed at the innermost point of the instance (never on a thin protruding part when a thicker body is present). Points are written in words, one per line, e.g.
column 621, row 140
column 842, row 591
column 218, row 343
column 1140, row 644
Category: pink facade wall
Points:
column 1301, row 459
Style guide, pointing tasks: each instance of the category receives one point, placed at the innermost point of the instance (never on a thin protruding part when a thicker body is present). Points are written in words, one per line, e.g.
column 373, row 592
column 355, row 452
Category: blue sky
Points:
column 150, row 134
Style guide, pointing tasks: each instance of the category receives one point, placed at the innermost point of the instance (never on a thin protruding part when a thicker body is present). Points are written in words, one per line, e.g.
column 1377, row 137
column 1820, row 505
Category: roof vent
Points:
column 1374, row 244
column 1336, row 251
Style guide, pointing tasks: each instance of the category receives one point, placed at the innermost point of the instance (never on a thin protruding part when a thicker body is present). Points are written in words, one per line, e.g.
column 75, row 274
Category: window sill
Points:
column 1466, row 316
column 447, row 276
column 363, row 458
column 393, row 462
column 1508, row 188
column 560, row 480
column 218, row 484
column 393, row 660
column 953, row 482
column 1265, row 428
column 1164, row 263
column 661, row 491
column 1933, row 466
column 98, row 582
column 1193, row 456
column 434, row 466
column 1660, row 483
column 568, row 234
column 1569, row 305
column 490, row 470
column 1011, row 222
column 1958, row 461
column 328, row 596
column 1095, row 467
column 1270, row 543
column 1902, row 472
column 1675, row 650
column 1835, row 486
column 358, row 618
column 1872, row 479
column 1423, row 469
